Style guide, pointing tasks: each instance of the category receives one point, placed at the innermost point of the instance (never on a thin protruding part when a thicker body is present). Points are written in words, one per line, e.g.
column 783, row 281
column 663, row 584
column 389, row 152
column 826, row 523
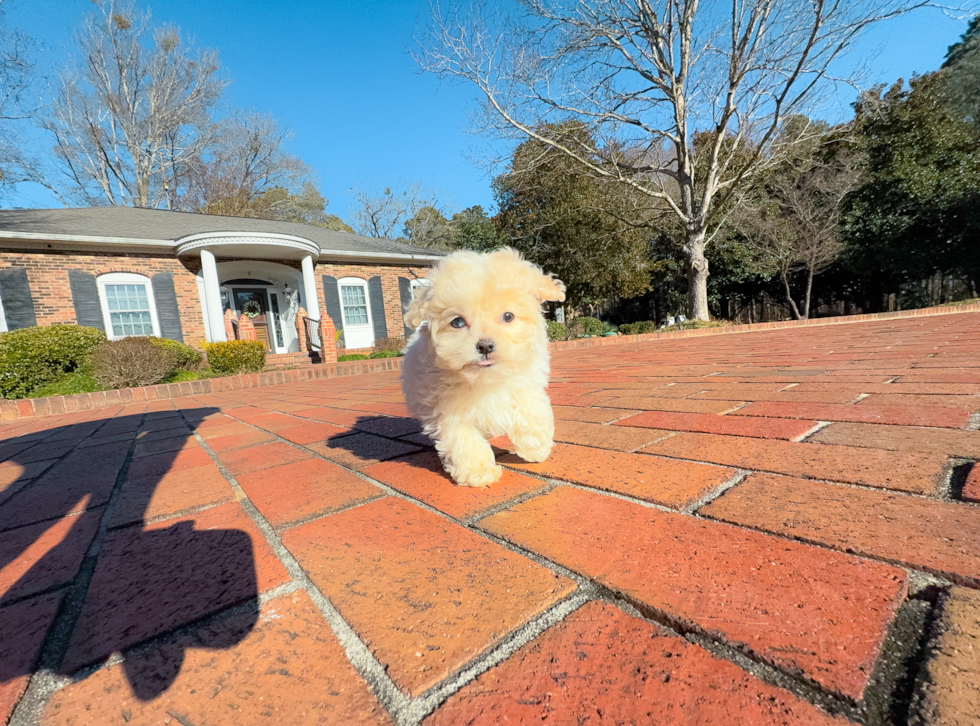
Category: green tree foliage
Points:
column 474, row 230
column 573, row 224
column 962, row 69
column 918, row 211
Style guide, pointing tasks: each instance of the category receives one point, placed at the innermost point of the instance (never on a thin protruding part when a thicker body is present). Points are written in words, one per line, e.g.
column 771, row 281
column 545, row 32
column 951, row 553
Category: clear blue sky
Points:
column 339, row 75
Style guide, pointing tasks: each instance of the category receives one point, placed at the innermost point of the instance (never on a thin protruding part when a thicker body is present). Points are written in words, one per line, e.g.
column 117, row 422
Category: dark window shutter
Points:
column 85, row 296
column 331, row 298
column 377, row 308
column 15, row 292
column 405, row 291
column 168, row 314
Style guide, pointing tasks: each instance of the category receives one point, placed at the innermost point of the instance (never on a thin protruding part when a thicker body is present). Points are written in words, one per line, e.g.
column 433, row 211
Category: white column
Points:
column 212, row 296
column 309, row 288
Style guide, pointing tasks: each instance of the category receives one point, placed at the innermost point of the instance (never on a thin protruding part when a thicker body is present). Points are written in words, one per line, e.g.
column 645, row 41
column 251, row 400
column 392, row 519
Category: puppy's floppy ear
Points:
column 550, row 288
column 419, row 309
column 544, row 287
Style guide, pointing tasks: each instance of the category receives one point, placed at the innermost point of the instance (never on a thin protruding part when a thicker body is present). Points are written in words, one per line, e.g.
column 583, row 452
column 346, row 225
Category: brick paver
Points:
column 650, row 478
column 936, row 536
column 804, row 498
column 426, row 595
column 807, row 609
column 288, row 668
column 951, row 692
column 905, row 471
column 600, row 665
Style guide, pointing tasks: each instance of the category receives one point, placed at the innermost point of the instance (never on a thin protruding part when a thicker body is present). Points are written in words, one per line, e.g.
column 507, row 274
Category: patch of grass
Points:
column 351, row 356
column 182, row 376
column 68, row 386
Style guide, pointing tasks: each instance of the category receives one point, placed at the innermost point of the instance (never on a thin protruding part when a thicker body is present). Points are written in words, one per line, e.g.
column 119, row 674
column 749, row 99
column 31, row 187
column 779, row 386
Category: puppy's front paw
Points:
column 533, row 451
column 477, row 476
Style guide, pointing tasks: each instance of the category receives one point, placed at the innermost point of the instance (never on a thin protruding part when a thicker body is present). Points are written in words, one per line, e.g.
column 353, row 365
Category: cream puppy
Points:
column 478, row 365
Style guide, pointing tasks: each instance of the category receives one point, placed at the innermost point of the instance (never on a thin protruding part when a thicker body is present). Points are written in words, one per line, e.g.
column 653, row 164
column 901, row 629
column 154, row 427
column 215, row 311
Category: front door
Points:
column 355, row 307
column 255, row 304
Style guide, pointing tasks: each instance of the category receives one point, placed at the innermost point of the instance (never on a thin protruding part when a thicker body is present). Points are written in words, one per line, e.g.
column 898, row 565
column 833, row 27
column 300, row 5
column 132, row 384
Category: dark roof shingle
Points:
column 161, row 224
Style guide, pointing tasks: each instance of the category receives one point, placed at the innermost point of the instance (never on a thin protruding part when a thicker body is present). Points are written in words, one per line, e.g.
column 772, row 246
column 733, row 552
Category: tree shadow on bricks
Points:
column 84, row 576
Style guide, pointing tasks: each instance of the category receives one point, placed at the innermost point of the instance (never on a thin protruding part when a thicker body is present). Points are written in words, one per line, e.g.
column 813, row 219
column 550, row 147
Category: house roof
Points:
column 158, row 227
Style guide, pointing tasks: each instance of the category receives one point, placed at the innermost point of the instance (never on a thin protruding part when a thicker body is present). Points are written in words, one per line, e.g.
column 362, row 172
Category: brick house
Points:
column 188, row 277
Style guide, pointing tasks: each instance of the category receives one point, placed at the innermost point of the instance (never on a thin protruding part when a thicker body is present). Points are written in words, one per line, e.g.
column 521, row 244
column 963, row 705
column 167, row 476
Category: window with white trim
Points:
column 354, row 300
column 128, row 307
column 417, row 284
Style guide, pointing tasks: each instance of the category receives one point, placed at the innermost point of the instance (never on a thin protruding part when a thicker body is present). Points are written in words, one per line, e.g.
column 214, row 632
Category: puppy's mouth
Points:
column 485, row 362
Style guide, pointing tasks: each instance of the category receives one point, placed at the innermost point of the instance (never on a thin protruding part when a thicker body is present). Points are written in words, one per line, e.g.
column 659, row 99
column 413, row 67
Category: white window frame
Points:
column 3, row 317
column 126, row 278
column 417, row 283
column 350, row 282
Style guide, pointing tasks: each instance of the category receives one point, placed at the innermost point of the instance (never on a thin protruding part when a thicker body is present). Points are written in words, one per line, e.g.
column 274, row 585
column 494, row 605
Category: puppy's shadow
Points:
column 377, row 438
column 380, row 438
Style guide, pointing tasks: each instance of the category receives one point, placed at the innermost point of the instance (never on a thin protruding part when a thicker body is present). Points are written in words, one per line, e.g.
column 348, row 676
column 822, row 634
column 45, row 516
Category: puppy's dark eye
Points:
column 458, row 323
column 507, row 317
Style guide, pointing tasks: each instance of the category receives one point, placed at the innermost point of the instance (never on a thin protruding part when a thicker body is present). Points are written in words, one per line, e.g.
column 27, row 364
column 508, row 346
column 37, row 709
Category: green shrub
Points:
column 556, row 331
column 386, row 354
column 640, row 328
column 351, row 356
column 697, row 325
column 187, row 358
column 585, row 326
column 76, row 382
column 130, row 362
column 31, row 358
column 389, row 344
column 236, row 356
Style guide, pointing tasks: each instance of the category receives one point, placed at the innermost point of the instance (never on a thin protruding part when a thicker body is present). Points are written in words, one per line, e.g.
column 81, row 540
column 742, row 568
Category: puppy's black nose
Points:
column 485, row 347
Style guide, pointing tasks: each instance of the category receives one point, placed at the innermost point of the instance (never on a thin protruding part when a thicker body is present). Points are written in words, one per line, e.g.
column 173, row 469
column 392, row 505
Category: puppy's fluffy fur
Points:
column 486, row 374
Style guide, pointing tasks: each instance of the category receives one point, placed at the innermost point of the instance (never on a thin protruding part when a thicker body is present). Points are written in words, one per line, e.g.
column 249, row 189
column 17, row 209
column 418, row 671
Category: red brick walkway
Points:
column 776, row 527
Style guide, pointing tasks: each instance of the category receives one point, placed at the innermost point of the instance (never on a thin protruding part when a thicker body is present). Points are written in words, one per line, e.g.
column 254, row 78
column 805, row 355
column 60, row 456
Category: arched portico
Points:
column 238, row 258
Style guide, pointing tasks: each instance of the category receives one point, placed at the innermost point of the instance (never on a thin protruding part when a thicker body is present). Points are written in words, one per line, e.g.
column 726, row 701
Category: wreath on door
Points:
column 252, row 309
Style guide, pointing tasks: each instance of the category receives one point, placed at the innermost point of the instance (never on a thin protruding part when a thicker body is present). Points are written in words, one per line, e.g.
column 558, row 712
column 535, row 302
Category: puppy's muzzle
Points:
column 484, row 347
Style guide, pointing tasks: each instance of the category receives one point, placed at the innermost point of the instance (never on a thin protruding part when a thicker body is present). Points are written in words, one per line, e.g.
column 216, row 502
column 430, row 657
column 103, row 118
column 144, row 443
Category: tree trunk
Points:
column 809, row 291
column 697, row 277
column 789, row 297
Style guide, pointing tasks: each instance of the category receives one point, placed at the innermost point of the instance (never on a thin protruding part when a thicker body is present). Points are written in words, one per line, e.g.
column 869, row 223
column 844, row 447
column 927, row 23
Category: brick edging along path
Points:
column 27, row 407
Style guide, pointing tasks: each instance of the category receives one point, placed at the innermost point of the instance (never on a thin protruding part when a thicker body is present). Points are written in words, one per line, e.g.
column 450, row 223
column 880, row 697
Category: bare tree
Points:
column 384, row 214
column 16, row 74
column 794, row 222
column 245, row 158
column 648, row 76
column 129, row 121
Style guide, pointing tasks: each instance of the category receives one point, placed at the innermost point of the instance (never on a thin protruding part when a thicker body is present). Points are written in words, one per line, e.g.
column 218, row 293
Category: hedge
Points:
column 34, row 357
column 187, row 358
column 236, row 356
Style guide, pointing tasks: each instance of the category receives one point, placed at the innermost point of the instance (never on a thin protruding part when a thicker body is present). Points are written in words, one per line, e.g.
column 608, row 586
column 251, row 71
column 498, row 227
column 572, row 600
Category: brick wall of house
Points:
column 47, row 274
column 394, row 320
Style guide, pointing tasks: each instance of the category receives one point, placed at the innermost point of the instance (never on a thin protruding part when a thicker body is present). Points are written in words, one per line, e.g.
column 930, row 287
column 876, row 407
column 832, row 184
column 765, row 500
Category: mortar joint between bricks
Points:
column 739, row 476
column 811, row 431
